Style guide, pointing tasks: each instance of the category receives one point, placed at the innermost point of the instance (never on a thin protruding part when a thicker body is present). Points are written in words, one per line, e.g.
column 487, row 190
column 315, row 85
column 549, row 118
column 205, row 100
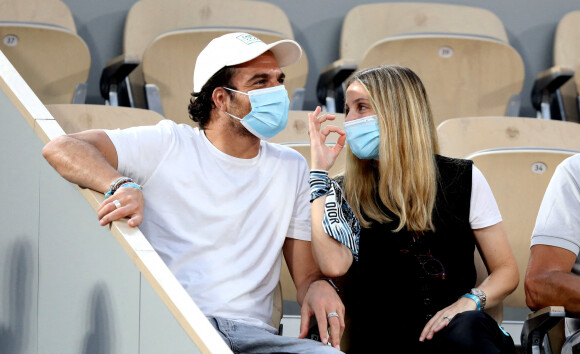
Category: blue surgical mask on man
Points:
column 362, row 135
column 269, row 113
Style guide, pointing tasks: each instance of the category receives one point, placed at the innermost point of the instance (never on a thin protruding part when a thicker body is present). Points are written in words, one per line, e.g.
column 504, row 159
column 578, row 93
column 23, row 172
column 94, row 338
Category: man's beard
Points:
column 238, row 129
column 236, row 124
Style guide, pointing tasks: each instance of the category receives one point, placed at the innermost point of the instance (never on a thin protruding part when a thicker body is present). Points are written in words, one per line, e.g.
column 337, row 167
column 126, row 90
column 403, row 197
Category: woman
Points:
column 407, row 221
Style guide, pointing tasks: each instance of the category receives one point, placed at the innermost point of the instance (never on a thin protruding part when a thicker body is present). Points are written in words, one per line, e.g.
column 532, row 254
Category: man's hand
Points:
column 321, row 300
column 127, row 202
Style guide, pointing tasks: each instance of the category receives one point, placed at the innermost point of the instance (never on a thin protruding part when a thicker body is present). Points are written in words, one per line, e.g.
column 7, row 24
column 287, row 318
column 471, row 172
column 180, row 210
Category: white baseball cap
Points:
column 237, row 48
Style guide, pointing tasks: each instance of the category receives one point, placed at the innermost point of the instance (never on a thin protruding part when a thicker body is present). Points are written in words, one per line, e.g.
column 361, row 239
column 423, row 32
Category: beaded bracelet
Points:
column 132, row 185
column 122, row 182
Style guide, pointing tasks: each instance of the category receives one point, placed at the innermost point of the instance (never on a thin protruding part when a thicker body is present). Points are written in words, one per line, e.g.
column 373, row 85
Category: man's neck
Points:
column 232, row 143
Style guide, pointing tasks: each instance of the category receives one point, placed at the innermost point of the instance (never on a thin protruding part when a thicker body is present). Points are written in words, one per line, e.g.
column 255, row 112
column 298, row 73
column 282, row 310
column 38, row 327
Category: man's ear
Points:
column 220, row 98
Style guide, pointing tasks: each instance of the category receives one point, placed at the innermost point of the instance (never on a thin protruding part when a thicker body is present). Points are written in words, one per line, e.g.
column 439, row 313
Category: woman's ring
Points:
column 117, row 204
column 332, row 314
column 447, row 317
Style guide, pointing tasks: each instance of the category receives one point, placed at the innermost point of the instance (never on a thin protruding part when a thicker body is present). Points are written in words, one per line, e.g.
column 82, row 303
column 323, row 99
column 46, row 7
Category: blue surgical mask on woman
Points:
column 362, row 135
column 269, row 113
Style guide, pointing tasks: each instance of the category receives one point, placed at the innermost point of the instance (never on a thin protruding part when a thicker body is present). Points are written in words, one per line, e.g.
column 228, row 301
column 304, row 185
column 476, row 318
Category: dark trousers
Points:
column 471, row 332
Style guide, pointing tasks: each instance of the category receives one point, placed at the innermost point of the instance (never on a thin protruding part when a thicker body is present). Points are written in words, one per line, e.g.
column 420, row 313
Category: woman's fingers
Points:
column 332, row 129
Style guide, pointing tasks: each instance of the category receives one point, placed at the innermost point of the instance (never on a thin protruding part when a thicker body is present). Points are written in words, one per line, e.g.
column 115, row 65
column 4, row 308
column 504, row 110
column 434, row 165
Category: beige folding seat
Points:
column 461, row 137
column 518, row 186
column 166, row 37
column 304, row 150
column 461, row 54
column 77, row 118
column 518, row 178
column 556, row 90
column 463, row 75
column 39, row 38
column 297, row 128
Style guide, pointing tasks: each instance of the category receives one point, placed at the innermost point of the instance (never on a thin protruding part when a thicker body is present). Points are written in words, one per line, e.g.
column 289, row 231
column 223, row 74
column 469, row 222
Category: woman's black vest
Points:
column 400, row 280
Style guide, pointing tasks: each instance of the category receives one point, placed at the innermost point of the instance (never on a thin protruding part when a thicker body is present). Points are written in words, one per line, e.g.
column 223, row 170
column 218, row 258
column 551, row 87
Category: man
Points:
column 552, row 277
column 218, row 203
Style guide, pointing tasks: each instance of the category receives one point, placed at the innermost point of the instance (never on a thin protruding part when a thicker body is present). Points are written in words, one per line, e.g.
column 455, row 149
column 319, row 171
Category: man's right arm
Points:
column 89, row 159
column 549, row 281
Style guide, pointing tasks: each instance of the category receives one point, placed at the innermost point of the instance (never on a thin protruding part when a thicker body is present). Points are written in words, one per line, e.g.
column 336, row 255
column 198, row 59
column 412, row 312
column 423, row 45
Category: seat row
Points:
column 461, row 53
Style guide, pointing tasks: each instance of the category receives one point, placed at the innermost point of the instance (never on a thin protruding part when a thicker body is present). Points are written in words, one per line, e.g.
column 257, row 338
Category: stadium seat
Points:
column 518, row 178
column 463, row 136
column 77, row 118
column 39, row 38
column 543, row 143
column 165, row 37
column 297, row 128
column 304, row 150
column 545, row 331
column 461, row 54
column 555, row 94
column 463, row 75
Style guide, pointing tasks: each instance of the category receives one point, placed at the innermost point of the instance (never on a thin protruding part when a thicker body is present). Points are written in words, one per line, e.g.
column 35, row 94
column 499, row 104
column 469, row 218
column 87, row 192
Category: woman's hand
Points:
column 323, row 156
column 443, row 317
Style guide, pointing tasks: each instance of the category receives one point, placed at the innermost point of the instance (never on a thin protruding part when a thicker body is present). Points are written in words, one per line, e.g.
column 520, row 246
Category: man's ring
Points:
column 117, row 203
column 447, row 317
column 332, row 314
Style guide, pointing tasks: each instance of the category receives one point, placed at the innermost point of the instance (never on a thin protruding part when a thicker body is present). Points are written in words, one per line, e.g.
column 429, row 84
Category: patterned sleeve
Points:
column 339, row 221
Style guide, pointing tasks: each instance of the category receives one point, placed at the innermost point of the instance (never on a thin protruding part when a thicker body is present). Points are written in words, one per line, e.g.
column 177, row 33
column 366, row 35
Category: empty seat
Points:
column 166, row 38
column 39, row 38
column 431, row 38
column 463, row 75
column 463, row 136
column 556, row 90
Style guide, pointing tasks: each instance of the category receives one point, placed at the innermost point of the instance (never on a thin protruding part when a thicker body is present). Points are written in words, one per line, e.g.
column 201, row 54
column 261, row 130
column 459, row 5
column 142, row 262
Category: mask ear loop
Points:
column 227, row 88
column 243, row 93
column 231, row 115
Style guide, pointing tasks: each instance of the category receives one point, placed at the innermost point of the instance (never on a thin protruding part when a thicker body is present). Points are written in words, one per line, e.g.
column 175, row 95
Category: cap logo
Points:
column 248, row 39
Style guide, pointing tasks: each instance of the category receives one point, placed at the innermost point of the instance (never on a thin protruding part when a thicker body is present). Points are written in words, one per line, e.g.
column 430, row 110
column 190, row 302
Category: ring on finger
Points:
column 332, row 314
column 117, row 204
column 447, row 317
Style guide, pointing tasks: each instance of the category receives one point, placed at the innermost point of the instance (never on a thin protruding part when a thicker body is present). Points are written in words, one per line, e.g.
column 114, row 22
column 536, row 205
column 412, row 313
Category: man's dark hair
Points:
column 201, row 103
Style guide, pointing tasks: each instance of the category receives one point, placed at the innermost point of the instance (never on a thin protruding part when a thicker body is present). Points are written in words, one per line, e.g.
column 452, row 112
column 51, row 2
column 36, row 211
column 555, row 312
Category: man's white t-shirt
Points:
column 218, row 222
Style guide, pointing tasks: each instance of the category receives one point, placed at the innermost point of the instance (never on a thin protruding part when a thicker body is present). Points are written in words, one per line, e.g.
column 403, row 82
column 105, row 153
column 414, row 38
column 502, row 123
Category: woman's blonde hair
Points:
column 406, row 175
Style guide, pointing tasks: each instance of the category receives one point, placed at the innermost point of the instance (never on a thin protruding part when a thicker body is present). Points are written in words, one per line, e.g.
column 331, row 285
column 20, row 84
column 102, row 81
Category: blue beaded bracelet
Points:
column 131, row 184
column 126, row 184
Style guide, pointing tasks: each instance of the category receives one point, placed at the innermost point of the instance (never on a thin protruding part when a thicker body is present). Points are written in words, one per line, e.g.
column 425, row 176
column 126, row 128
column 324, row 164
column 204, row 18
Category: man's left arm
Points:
column 316, row 296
